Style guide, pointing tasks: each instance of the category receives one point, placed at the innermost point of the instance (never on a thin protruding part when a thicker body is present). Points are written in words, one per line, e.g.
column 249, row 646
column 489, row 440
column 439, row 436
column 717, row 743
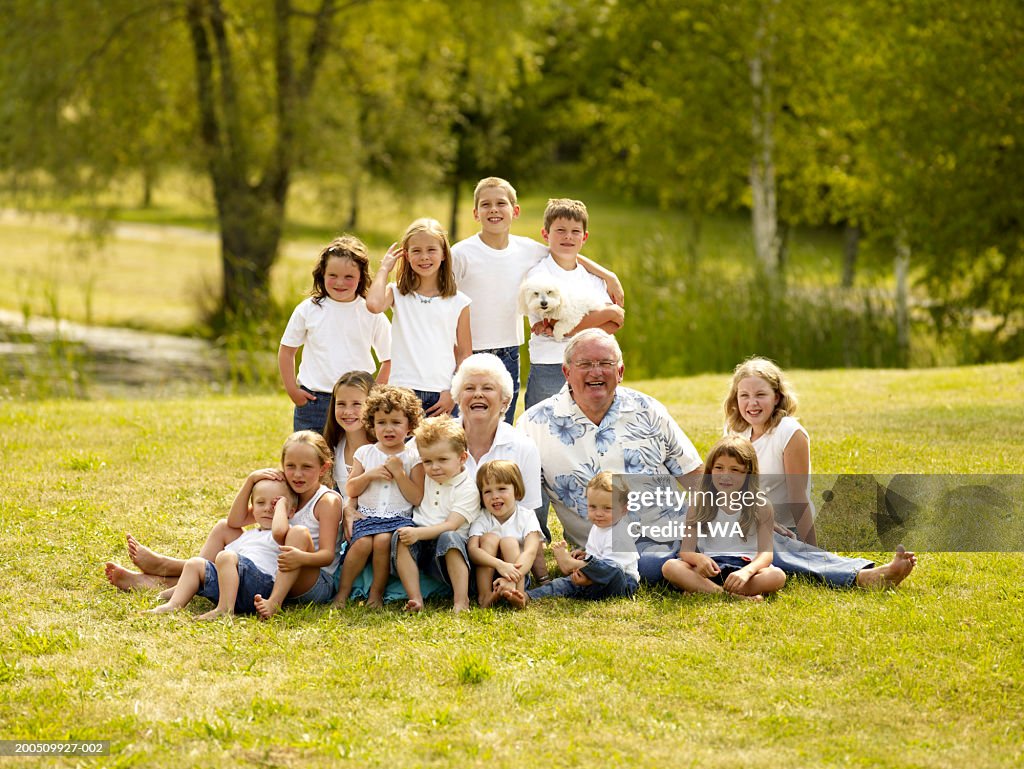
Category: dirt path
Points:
column 102, row 360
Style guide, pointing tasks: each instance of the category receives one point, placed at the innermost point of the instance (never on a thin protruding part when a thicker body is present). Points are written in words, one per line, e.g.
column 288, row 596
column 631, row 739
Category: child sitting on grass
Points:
column 436, row 542
column 607, row 568
column 247, row 566
column 506, row 538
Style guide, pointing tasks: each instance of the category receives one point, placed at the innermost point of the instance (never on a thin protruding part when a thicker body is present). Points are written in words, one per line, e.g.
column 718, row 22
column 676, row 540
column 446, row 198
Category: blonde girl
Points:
column 311, row 555
column 387, row 478
column 335, row 330
column 760, row 407
column 309, row 559
column 430, row 316
column 729, row 542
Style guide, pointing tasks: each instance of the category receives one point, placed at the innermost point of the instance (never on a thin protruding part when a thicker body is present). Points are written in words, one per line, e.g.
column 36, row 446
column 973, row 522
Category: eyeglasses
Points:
column 596, row 365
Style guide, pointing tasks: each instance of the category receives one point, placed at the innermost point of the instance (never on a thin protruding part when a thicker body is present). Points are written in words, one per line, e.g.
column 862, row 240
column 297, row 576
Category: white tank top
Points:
column 304, row 517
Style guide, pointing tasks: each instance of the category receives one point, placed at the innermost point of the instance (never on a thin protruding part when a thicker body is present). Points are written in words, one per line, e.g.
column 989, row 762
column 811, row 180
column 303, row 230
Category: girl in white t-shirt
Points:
column 728, row 547
column 335, row 330
column 430, row 316
column 760, row 407
column 505, row 539
column 345, row 431
column 387, row 478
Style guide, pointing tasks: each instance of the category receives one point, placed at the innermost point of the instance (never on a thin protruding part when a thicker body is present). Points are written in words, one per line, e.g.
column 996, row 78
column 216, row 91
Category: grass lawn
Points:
column 929, row 675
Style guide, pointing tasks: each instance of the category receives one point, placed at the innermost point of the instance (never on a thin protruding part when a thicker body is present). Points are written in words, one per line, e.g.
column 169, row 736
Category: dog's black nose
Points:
column 544, row 305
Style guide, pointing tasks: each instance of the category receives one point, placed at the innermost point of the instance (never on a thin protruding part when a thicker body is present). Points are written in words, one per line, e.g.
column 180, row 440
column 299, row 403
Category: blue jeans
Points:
column 796, row 557
column 312, row 416
column 510, row 357
column 609, row 582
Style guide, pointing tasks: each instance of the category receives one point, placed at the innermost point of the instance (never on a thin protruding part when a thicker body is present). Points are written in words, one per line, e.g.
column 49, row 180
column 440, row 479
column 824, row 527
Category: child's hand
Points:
column 394, row 467
column 380, row 473
column 703, row 565
column 615, row 290
column 349, row 516
column 580, row 579
column 408, row 535
column 544, row 327
column 735, row 581
column 266, row 474
column 444, row 405
column 395, row 252
column 299, row 396
column 509, row 571
column 289, row 560
column 778, row 528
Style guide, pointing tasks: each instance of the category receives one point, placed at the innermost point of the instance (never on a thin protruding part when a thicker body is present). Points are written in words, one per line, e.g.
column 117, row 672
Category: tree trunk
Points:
column 851, row 245
column 901, row 267
column 764, row 208
column 251, row 221
column 453, row 228
column 353, row 208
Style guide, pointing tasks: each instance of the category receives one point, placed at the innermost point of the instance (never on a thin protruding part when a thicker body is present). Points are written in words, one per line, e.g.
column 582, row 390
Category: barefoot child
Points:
column 247, row 566
column 505, row 539
column 607, row 568
column 729, row 547
column 335, row 331
column 436, row 542
column 430, row 315
column 387, row 478
column 760, row 406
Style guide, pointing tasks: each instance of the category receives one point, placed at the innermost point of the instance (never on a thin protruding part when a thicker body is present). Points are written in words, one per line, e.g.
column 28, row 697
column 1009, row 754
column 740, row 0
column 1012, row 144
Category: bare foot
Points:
column 757, row 597
column 486, row 601
column 460, row 606
column 166, row 608
column 123, row 579
column 213, row 614
column 890, row 575
column 412, row 606
column 374, row 601
column 148, row 561
column 265, row 607
column 517, row 598
column 165, row 595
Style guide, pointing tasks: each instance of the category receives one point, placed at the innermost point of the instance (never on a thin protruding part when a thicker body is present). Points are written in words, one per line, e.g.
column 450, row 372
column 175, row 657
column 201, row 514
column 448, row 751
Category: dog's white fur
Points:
column 541, row 296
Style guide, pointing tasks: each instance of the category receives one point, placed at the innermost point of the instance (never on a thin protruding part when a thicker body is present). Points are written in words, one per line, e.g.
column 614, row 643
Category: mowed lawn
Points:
column 929, row 675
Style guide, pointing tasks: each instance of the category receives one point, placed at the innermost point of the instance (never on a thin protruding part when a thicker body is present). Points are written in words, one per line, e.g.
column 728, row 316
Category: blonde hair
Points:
column 705, row 507
column 315, row 440
column 769, row 371
column 388, row 398
column 500, row 471
column 494, row 181
column 407, row 280
column 603, row 481
column 565, row 208
column 434, row 430
column 293, row 498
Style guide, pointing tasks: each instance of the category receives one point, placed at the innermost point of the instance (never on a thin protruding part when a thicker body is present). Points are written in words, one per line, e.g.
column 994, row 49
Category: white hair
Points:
column 591, row 334
column 483, row 364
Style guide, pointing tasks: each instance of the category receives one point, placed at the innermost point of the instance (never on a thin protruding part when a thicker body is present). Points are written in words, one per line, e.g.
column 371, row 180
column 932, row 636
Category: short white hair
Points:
column 483, row 364
column 588, row 335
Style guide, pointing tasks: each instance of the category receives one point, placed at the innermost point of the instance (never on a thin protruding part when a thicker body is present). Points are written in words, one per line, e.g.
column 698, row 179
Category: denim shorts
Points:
column 429, row 554
column 323, row 589
column 728, row 564
column 251, row 582
column 312, row 416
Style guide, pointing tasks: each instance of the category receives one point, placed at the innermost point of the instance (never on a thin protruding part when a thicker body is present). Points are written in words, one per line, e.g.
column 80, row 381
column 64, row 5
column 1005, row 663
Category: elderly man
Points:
column 594, row 424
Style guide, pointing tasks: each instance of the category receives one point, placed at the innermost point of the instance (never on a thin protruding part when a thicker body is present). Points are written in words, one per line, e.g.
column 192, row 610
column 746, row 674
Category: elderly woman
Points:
column 482, row 388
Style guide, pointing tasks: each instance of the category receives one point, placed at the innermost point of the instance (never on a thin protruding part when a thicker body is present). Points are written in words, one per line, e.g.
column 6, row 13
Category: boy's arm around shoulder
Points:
column 612, row 283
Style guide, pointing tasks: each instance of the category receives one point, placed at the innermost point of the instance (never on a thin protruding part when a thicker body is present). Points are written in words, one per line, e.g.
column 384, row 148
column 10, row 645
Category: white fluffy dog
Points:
column 540, row 296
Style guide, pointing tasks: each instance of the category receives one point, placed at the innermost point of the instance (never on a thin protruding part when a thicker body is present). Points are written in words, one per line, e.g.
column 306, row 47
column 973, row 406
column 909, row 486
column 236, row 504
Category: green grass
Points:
column 927, row 676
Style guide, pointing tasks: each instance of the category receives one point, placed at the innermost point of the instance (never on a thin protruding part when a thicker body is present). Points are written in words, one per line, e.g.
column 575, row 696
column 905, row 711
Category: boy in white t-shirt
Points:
column 247, row 566
column 437, row 542
column 489, row 267
column 565, row 231
column 607, row 568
